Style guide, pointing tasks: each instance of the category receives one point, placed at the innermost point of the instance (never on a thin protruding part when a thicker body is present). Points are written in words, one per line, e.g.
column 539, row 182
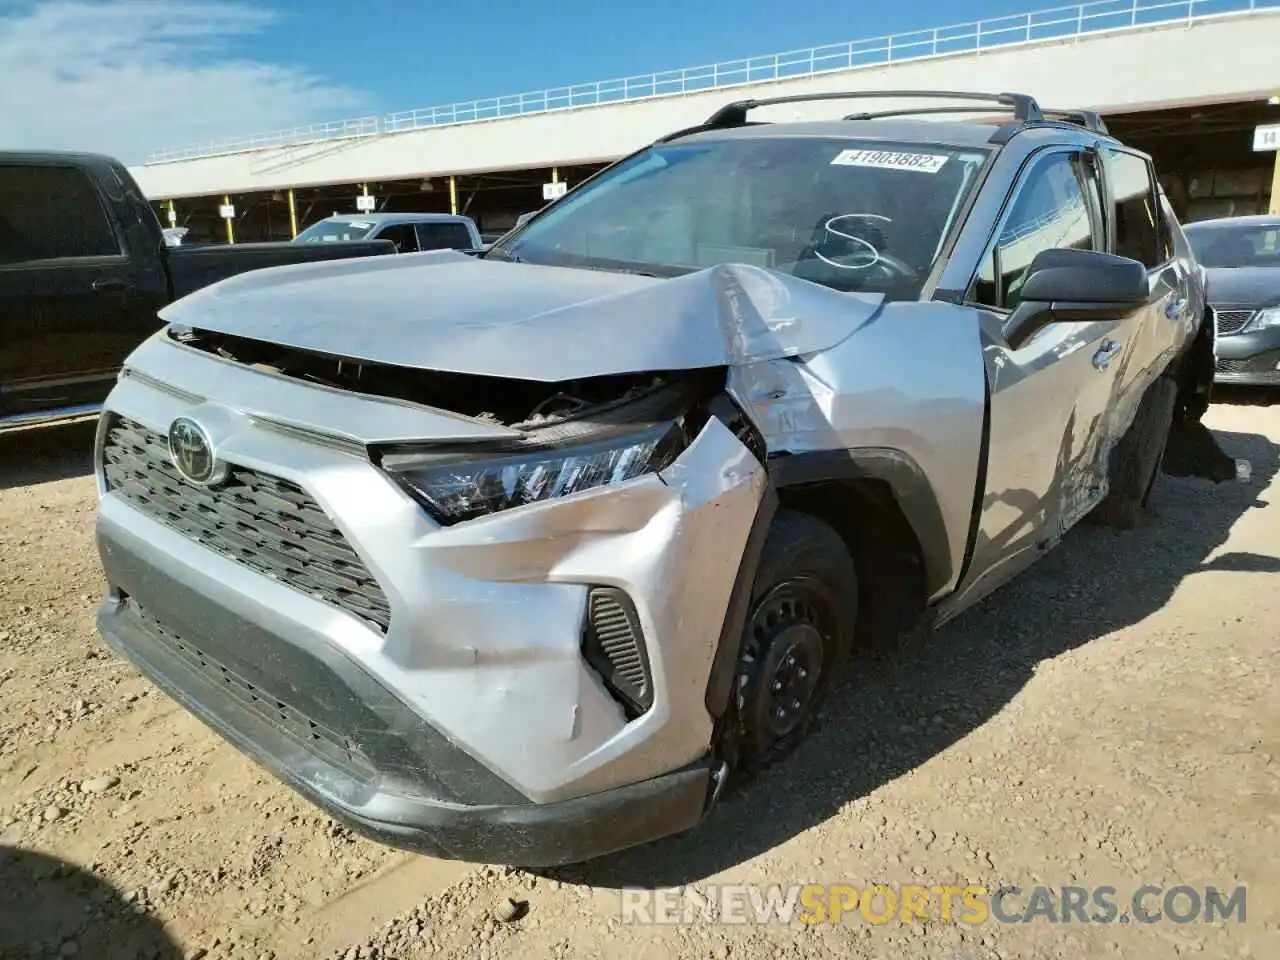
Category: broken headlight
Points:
column 455, row 489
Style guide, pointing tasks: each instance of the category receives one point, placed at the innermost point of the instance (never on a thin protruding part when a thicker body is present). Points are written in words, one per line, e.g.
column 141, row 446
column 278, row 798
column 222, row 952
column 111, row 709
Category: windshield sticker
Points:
column 359, row 224
column 888, row 160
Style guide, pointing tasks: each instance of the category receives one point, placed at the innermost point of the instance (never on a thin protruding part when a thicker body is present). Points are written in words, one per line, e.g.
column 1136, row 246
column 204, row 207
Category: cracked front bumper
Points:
column 472, row 726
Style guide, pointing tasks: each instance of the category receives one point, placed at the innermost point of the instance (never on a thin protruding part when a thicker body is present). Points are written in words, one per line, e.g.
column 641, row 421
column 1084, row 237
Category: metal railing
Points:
column 1056, row 23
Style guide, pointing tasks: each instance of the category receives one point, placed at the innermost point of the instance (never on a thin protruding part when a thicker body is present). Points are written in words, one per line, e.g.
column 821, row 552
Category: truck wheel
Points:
column 1135, row 462
column 804, row 608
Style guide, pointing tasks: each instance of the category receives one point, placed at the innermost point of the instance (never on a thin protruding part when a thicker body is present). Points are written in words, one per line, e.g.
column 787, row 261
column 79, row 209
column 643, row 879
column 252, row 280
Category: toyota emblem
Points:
column 192, row 454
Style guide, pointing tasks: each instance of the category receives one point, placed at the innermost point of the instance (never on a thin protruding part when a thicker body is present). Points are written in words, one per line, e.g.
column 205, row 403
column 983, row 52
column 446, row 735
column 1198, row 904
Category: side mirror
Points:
column 1069, row 284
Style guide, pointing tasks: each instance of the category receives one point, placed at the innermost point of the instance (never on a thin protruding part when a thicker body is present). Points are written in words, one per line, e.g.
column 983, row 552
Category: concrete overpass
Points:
column 1115, row 56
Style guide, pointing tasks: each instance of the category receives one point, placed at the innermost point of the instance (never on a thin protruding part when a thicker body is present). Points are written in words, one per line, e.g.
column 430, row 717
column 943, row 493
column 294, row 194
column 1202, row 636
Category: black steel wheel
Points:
column 798, row 633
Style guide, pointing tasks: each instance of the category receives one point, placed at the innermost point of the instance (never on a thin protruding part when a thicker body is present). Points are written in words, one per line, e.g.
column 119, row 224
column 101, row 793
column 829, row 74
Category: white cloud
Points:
column 127, row 77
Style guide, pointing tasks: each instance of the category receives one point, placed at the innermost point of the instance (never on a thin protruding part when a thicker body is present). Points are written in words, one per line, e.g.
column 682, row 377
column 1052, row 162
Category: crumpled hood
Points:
column 449, row 311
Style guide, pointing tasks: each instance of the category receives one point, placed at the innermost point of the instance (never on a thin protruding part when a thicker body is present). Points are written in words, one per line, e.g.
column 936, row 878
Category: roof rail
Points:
column 734, row 114
column 1089, row 119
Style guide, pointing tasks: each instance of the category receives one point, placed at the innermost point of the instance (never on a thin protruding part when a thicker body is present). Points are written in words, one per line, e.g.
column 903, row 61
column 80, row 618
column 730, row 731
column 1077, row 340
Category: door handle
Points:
column 1106, row 353
column 103, row 284
column 1174, row 308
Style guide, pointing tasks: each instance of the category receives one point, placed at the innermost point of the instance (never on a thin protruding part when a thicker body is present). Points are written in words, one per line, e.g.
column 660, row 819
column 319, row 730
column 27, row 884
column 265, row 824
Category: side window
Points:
column 1139, row 231
column 444, row 236
column 1052, row 209
column 51, row 213
column 401, row 234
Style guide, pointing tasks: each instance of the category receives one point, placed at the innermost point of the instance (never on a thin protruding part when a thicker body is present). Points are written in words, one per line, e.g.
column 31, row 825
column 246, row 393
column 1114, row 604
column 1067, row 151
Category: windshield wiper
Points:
column 626, row 270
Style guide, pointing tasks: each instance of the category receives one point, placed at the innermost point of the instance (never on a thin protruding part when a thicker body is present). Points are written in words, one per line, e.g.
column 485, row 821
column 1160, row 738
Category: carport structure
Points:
column 493, row 200
column 1205, row 157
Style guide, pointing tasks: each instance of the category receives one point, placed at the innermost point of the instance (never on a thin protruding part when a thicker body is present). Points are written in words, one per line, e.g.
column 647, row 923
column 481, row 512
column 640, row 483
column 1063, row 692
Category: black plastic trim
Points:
column 550, row 834
column 911, row 489
column 520, row 834
column 636, row 700
column 724, row 665
column 980, row 482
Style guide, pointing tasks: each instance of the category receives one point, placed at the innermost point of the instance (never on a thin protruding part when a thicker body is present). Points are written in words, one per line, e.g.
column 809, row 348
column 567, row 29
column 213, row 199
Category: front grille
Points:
column 613, row 644
column 325, row 743
column 267, row 523
column 1230, row 366
column 1232, row 321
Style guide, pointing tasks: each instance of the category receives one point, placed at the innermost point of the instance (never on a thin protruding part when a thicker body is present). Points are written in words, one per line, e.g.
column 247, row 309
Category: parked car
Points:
column 1241, row 257
column 84, row 269
column 410, row 232
column 525, row 570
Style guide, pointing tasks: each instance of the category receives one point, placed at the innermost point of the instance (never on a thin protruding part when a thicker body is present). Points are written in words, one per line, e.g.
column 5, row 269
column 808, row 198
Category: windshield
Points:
column 1236, row 245
column 853, row 215
column 332, row 231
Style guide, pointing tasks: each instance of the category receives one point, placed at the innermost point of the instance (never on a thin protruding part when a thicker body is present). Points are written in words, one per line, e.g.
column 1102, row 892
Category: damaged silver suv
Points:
column 517, row 557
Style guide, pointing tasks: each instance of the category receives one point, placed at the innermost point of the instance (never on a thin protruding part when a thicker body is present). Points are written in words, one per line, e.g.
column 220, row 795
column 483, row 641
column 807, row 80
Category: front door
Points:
column 1050, row 396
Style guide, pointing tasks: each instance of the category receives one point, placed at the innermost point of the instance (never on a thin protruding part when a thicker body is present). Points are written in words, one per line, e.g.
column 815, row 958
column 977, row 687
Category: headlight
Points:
column 1265, row 319
column 458, row 486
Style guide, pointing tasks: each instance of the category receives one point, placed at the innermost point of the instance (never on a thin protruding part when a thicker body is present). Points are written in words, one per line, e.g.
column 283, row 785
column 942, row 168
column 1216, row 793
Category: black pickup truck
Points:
column 84, row 269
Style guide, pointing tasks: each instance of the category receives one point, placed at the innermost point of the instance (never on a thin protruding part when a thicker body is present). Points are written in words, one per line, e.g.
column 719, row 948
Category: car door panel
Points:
column 1049, row 397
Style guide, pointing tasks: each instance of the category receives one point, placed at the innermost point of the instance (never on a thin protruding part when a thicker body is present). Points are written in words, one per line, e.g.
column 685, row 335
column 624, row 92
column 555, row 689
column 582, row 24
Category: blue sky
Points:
column 127, row 77
column 409, row 54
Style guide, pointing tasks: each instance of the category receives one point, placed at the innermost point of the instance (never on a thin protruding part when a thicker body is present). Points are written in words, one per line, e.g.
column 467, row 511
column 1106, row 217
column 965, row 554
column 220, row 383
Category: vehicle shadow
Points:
column 892, row 718
column 1245, row 396
column 43, row 454
column 49, row 908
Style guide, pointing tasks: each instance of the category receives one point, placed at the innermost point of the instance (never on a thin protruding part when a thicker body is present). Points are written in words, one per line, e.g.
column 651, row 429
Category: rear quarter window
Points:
column 443, row 236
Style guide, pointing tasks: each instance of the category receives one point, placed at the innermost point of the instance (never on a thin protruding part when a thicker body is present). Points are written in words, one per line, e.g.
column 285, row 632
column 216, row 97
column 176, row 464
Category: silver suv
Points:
column 518, row 557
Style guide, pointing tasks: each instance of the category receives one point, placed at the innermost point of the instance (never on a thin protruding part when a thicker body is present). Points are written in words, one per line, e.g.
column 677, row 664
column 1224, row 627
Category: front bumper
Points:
column 1249, row 359
column 461, row 715
column 287, row 740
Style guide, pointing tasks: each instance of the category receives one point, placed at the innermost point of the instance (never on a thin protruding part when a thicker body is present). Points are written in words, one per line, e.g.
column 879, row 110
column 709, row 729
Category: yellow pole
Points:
column 173, row 219
column 555, row 174
column 293, row 213
column 1275, row 186
column 231, row 233
column 453, row 194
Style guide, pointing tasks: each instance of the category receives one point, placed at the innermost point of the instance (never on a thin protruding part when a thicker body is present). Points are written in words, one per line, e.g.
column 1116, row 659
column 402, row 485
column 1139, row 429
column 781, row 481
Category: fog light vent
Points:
column 613, row 644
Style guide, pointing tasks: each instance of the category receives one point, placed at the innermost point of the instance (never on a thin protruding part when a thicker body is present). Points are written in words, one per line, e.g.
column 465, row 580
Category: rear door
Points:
column 1050, row 396
column 73, row 304
column 1139, row 231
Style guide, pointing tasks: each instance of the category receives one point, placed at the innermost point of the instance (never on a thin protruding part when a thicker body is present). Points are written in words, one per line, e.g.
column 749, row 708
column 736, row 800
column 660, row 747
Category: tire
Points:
column 799, row 630
column 1137, row 457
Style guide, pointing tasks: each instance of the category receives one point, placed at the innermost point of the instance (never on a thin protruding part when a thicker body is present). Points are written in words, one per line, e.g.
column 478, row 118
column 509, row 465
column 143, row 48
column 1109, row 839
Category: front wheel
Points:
column 804, row 608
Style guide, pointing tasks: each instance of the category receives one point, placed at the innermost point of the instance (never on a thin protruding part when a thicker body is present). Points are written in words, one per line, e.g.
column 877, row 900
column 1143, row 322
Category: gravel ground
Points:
column 1111, row 718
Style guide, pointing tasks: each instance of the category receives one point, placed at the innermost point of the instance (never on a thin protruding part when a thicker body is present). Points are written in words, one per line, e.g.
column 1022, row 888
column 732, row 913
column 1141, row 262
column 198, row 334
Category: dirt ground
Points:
column 1110, row 718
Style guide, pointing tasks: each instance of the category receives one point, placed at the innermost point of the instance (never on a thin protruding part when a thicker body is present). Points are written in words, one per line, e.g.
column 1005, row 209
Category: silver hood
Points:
column 448, row 311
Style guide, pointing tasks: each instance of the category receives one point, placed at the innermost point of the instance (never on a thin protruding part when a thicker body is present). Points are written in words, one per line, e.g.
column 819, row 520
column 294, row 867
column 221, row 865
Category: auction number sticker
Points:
column 889, row 160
